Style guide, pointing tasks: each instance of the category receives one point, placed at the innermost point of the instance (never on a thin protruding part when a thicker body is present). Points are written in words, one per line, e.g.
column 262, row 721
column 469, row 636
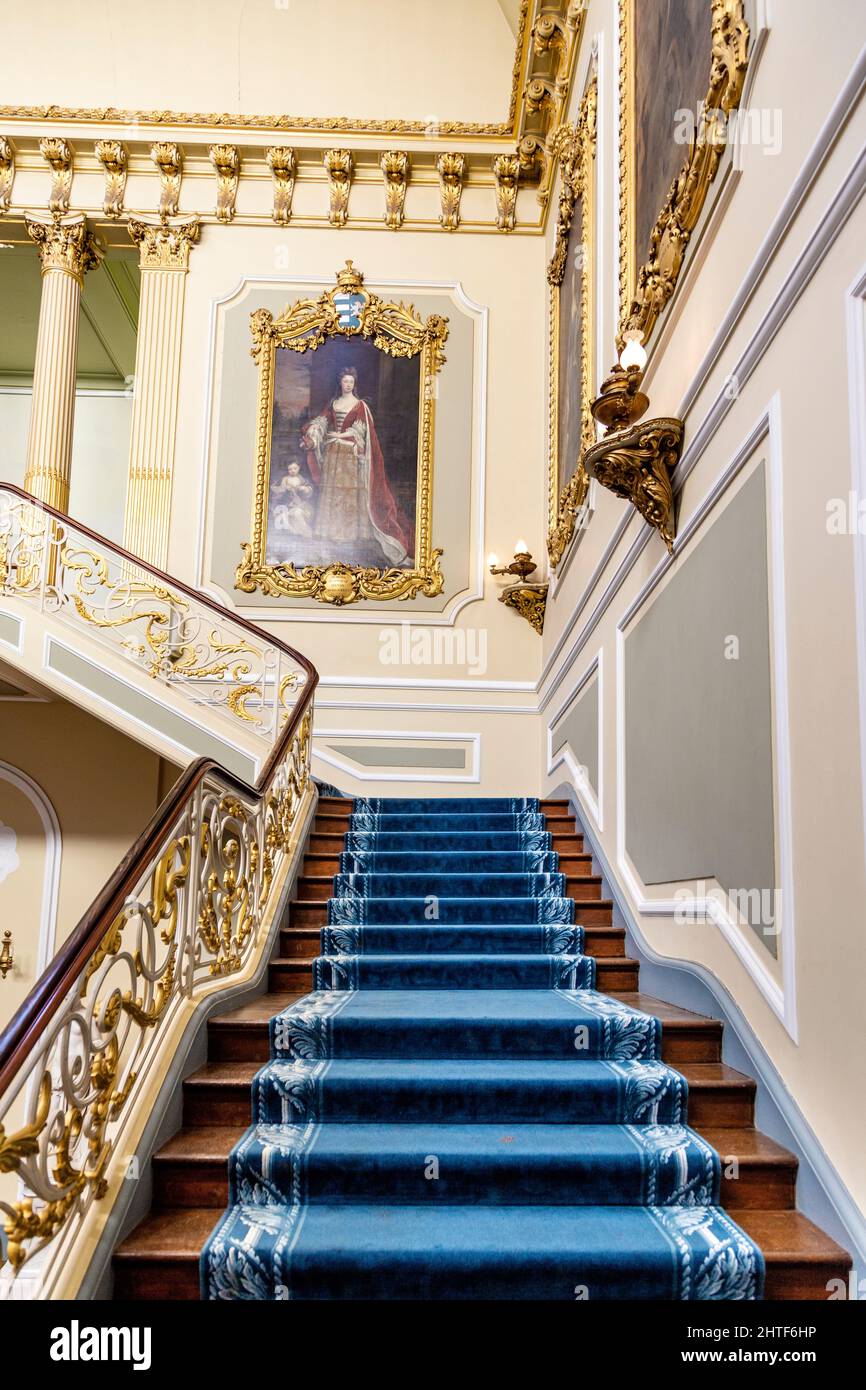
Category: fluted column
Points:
column 164, row 249
column 67, row 250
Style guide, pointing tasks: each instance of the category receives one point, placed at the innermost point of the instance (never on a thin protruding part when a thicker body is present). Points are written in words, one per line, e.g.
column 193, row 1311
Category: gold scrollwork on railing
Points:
column 197, row 912
column 166, row 633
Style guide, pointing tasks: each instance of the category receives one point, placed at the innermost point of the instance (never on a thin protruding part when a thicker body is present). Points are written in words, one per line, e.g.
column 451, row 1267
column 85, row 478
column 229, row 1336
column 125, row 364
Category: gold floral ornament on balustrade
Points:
column 91, row 1064
column 166, row 638
column 197, row 913
column 347, row 311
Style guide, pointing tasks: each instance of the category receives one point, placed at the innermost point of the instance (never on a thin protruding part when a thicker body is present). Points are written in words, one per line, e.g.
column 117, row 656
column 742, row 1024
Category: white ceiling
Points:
column 409, row 59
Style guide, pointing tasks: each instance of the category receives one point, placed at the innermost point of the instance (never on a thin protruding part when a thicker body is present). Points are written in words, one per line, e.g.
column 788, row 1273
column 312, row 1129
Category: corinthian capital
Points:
column 164, row 245
column 65, row 244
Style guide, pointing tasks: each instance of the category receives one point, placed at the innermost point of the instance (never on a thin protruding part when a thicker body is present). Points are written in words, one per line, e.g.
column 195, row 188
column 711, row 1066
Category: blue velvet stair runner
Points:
column 455, row 1112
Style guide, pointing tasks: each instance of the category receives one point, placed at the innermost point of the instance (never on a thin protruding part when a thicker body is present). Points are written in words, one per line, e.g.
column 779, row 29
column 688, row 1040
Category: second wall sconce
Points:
column 634, row 460
column 529, row 600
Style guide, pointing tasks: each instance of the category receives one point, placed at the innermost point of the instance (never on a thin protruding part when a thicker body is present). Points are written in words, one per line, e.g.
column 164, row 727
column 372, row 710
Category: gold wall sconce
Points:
column 529, row 600
column 635, row 460
column 7, row 955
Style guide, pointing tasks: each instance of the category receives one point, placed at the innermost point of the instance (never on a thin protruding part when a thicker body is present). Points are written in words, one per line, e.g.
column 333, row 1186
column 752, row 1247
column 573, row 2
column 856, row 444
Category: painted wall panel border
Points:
column 418, row 775
column 262, row 613
column 855, row 310
column 780, row 997
column 592, row 800
column 53, row 851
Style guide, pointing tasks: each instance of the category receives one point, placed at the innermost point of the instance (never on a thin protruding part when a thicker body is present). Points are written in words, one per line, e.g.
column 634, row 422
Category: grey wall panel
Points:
column 385, row 755
column 578, row 729
column 698, row 725
column 10, row 629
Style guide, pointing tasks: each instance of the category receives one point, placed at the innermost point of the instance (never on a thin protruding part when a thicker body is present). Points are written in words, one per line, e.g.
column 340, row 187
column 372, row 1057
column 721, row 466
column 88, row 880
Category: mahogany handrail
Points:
column 49, row 991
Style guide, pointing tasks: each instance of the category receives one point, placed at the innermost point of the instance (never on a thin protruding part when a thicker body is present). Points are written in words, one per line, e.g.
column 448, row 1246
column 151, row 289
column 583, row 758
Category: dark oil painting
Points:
column 344, row 457
column 671, row 73
column 570, row 353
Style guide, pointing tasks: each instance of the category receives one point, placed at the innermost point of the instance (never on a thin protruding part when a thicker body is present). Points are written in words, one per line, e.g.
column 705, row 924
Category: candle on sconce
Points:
column 521, row 548
column 492, row 559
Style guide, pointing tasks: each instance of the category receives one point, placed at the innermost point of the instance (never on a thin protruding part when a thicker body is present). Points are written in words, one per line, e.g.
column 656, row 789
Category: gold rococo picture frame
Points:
column 346, row 311
column 574, row 145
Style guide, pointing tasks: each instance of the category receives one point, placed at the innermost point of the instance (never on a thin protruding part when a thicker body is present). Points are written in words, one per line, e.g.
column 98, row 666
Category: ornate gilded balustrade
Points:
column 178, row 638
column 190, row 911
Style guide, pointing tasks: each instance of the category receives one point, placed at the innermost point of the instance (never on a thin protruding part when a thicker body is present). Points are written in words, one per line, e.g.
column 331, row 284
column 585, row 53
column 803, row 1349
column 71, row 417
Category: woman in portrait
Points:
column 345, row 461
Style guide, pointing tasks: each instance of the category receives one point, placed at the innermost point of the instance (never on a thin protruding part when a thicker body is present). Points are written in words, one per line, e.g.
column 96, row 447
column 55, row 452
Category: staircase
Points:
column 517, row 1185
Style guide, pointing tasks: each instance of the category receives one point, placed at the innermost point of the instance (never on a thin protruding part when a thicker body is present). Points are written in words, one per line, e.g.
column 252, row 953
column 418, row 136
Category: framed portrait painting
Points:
column 342, row 499
column 570, row 277
column 682, row 69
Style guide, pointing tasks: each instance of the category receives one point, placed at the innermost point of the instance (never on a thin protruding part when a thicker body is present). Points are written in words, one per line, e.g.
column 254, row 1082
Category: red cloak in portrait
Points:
column 384, row 512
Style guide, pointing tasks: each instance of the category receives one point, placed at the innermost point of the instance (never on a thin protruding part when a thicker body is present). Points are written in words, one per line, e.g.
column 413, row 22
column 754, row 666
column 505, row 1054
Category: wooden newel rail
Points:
column 52, row 987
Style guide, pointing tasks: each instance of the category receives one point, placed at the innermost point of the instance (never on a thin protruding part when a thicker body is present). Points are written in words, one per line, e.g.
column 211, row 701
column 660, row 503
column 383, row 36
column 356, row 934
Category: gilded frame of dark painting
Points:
column 396, row 329
column 646, row 287
column 574, row 146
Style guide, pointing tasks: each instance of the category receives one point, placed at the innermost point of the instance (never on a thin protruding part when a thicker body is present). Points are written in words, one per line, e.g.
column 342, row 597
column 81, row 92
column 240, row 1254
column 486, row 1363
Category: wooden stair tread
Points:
column 200, row 1144
column 790, row 1236
column 747, row 1144
column 171, row 1233
column 696, row 1073
column 668, row 1013
column 257, row 1010
column 230, row 1073
column 783, row 1236
column 714, row 1074
column 204, row 1143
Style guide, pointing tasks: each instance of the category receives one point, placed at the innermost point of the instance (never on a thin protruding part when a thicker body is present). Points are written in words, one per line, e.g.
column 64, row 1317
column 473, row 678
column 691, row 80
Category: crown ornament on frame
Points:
column 348, row 310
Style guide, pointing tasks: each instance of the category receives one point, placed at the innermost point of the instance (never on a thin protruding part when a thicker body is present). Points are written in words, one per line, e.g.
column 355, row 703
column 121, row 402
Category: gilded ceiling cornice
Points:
column 452, row 156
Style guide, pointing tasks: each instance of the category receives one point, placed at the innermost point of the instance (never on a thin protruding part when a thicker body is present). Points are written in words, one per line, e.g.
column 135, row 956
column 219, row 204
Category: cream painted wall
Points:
column 100, row 452
column 103, row 788
column 24, row 902
column 273, row 56
column 795, row 376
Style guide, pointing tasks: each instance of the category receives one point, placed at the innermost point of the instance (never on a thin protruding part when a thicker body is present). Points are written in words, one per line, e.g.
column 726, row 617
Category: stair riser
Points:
column 325, row 865
column 293, row 976
column 801, row 1280
column 315, row 914
column 148, row 1280
column 319, row 890
column 205, row 1184
column 307, row 942
column 153, row 1280
column 331, row 842
column 217, row 1105
column 250, row 1044
column 770, row 1187
column 338, row 824
column 721, row 1106
column 708, row 1107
